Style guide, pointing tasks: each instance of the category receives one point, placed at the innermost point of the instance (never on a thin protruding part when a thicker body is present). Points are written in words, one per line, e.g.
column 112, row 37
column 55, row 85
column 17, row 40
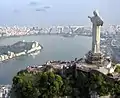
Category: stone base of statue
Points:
column 94, row 58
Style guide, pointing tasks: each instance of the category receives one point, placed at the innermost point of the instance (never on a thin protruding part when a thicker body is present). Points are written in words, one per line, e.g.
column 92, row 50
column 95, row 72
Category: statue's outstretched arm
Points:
column 89, row 17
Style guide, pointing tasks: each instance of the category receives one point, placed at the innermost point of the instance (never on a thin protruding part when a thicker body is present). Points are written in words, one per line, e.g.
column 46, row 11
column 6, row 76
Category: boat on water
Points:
column 20, row 48
column 69, row 35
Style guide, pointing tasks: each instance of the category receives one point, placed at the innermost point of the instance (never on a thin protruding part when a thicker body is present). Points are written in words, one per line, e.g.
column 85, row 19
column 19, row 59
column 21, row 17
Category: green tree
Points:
column 49, row 85
column 99, row 84
column 117, row 69
column 23, row 86
column 66, row 89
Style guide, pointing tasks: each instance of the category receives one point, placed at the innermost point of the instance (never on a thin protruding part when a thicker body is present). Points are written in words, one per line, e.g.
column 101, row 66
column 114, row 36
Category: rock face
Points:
column 18, row 49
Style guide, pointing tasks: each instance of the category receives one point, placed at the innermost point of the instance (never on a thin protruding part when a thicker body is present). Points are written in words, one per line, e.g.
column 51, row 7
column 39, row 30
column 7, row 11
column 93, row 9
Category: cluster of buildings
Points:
column 14, row 31
column 79, row 30
column 5, row 91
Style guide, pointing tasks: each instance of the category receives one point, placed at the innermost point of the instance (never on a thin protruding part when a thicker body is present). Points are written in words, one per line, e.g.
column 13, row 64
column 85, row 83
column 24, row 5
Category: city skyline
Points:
column 73, row 12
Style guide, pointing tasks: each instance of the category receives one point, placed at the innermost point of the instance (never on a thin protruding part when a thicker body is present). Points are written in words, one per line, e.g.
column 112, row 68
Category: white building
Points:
column 4, row 91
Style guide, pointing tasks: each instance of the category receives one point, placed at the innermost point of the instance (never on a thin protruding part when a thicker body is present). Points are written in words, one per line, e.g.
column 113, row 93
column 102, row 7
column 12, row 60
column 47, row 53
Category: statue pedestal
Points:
column 94, row 58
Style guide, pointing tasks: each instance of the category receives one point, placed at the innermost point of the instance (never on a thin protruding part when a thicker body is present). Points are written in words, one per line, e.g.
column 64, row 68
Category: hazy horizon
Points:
column 62, row 12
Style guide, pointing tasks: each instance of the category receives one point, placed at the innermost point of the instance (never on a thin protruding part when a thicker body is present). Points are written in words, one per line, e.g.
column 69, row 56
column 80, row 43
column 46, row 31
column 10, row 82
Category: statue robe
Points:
column 97, row 23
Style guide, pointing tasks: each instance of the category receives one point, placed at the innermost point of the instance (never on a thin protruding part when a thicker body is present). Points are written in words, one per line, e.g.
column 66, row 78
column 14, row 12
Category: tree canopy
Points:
column 41, row 85
column 48, row 84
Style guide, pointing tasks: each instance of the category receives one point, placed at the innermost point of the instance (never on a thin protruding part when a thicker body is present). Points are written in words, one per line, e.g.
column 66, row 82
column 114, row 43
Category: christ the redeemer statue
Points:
column 97, row 22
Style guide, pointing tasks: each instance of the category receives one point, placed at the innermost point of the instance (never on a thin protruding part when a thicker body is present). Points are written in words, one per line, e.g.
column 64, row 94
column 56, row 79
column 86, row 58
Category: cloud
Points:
column 16, row 11
column 41, row 9
column 46, row 7
column 34, row 3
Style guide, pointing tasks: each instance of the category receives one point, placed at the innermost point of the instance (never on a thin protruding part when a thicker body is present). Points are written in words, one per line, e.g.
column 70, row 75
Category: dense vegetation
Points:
column 117, row 69
column 72, row 83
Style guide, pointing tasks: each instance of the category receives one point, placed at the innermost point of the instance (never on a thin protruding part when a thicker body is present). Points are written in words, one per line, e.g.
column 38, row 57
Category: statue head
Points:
column 96, row 19
column 99, row 21
column 95, row 13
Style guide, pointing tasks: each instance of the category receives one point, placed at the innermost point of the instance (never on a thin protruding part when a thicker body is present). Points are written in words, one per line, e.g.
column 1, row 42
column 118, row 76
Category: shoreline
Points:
column 61, row 35
column 11, row 54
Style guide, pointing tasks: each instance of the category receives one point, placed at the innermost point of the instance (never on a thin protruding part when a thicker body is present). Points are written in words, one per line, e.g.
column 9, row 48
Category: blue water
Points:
column 54, row 48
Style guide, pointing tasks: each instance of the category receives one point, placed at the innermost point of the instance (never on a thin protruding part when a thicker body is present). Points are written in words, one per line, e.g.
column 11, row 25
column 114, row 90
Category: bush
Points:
column 117, row 69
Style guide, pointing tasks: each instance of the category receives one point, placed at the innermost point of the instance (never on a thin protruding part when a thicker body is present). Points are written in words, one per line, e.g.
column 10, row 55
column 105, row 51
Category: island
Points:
column 19, row 48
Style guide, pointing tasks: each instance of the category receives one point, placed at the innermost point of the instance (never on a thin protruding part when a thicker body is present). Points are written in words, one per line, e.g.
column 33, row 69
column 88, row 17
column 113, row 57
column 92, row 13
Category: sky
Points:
column 61, row 12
